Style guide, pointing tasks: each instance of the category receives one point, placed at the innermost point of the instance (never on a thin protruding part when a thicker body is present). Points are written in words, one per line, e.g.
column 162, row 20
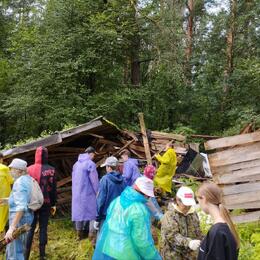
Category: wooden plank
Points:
column 246, row 205
column 232, row 141
column 205, row 136
column 145, row 139
column 157, row 134
column 234, row 167
column 235, row 155
column 124, row 147
column 64, row 181
column 242, row 198
column 241, row 188
column 251, row 174
column 247, row 217
column 47, row 141
column 81, row 128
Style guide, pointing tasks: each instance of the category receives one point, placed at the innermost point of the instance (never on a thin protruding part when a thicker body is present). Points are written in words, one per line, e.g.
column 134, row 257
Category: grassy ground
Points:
column 62, row 243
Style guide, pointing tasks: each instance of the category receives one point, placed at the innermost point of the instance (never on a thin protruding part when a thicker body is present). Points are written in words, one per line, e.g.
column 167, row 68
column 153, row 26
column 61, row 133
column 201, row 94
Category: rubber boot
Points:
column 27, row 254
column 79, row 235
column 42, row 253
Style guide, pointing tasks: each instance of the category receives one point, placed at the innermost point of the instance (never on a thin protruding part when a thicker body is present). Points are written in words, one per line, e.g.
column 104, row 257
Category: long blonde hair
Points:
column 213, row 195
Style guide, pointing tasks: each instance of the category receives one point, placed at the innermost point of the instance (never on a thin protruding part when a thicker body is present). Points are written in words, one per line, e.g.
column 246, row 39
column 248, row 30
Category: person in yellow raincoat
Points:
column 6, row 181
column 166, row 170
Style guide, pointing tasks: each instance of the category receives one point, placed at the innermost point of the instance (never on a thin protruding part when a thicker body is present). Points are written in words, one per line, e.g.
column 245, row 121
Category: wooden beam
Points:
column 234, row 167
column 124, row 147
column 162, row 135
column 247, row 217
column 246, row 205
column 244, row 175
column 235, row 155
column 242, row 197
column 241, row 188
column 145, row 139
column 64, row 181
column 232, row 141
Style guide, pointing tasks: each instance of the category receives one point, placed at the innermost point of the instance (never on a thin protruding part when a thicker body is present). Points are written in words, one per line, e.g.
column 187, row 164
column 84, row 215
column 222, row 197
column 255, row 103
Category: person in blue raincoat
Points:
column 126, row 233
column 130, row 168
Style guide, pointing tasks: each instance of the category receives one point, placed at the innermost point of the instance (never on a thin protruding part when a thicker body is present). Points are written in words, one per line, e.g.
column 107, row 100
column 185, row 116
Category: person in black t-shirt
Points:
column 222, row 240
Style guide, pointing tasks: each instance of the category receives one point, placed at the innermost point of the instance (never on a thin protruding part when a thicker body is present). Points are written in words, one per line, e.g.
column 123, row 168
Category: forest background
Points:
column 188, row 65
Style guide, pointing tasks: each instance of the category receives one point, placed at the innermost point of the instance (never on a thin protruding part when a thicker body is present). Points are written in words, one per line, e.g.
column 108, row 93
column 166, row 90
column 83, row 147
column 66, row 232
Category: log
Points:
column 162, row 135
column 145, row 139
column 20, row 230
column 64, row 181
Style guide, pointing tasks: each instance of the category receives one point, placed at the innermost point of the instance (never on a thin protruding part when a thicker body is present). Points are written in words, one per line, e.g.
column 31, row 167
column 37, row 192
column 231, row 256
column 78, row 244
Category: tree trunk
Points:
column 189, row 33
column 230, row 46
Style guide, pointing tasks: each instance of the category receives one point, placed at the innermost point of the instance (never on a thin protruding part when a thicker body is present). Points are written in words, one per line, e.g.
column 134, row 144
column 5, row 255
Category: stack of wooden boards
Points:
column 235, row 165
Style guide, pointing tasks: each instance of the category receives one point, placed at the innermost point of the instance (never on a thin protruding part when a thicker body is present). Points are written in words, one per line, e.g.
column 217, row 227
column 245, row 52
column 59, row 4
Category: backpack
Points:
column 36, row 200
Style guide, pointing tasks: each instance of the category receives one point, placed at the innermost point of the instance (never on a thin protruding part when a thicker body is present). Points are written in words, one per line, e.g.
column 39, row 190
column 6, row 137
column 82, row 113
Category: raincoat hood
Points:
column 130, row 196
column 41, row 155
column 134, row 161
column 115, row 177
column 83, row 157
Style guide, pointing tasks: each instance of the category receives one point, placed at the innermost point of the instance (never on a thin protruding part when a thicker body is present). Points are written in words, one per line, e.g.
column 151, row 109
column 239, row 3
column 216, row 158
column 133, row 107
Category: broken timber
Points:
column 235, row 165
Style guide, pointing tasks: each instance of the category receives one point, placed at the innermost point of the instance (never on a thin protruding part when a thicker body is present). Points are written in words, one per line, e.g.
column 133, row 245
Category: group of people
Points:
column 16, row 200
column 115, row 212
column 119, row 209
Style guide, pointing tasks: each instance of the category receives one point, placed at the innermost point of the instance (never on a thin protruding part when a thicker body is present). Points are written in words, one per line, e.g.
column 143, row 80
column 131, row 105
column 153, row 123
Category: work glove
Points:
column 194, row 244
column 53, row 210
column 9, row 234
column 96, row 225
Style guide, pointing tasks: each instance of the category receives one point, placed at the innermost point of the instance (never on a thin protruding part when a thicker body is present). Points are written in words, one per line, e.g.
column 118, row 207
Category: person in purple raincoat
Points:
column 84, row 190
column 130, row 168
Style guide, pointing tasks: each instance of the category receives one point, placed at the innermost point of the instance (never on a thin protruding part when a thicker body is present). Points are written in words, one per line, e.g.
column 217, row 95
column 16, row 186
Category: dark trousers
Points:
column 42, row 215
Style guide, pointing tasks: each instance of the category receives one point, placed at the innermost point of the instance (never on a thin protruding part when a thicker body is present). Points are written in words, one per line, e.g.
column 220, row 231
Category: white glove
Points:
column 9, row 234
column 96, row 225
column 194, row 244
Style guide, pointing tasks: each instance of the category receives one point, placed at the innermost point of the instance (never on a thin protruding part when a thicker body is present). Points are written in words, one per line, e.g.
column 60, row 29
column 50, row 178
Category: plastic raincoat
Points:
column 84, row 189
column 126, row 233
column 5, row 189
column 166, row 171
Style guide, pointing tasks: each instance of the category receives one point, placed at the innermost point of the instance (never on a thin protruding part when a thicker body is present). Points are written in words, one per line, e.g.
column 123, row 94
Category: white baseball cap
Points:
column 110, row 161
column 145, row 185
column 18, row 164
column 186, row 196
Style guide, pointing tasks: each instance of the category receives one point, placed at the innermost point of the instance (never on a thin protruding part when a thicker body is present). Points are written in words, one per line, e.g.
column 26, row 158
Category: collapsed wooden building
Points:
column 65, row 146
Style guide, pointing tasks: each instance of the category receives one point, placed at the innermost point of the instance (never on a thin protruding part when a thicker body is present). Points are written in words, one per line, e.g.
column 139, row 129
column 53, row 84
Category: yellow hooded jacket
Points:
column 166, row 171
column 5, row 189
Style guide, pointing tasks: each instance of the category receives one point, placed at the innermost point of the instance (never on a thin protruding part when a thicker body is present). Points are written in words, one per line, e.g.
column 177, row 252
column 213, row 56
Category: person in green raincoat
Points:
column 6, row 181
column 126, row 232
column 166, row 170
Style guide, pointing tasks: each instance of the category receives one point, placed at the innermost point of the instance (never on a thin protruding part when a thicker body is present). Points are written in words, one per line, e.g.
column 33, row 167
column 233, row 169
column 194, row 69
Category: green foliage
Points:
column 64, row 62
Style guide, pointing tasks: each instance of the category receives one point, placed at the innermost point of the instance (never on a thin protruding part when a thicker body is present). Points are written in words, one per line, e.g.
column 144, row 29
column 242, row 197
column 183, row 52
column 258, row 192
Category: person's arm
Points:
column 93, row 177
column 141, row 235
column 13, row 225
column 170, row 231
column 101, row 199
column 127, row 172
column 165, row 159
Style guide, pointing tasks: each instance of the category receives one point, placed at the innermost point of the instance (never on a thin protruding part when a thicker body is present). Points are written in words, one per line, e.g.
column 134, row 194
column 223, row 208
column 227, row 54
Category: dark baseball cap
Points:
column 90, row 149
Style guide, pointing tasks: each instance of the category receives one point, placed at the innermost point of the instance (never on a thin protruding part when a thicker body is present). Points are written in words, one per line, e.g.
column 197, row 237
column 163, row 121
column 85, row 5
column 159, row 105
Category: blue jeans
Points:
column 15, row 250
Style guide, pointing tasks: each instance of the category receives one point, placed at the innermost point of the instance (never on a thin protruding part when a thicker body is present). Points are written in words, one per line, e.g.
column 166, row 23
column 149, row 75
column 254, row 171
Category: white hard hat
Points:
column 186, row 195
column 145, row 185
